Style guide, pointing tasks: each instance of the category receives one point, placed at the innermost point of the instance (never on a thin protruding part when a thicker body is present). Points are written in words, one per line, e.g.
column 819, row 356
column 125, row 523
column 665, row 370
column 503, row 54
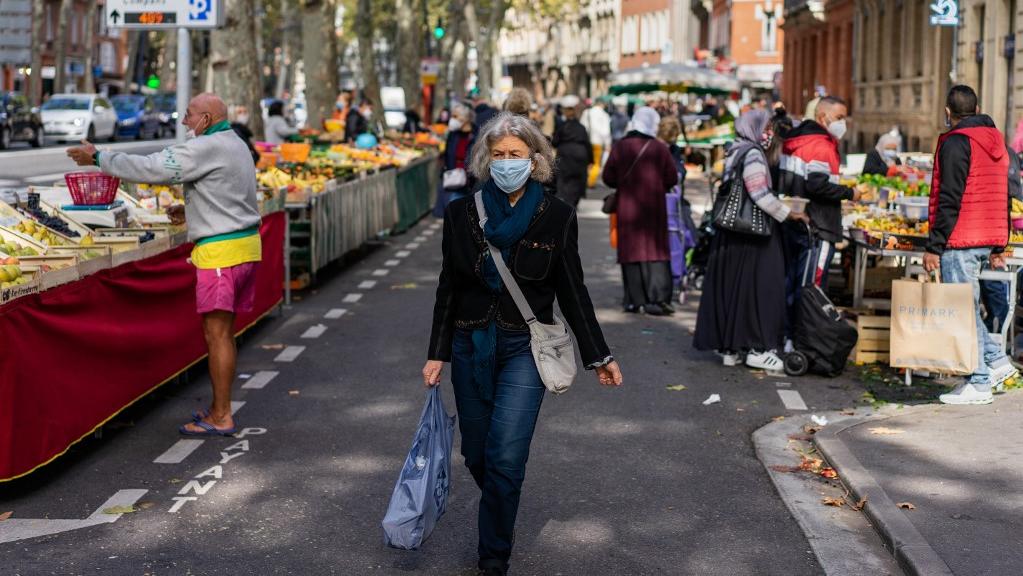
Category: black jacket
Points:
column 876, row 165
column 808, row 176
column 955, row 166
column 355, row 124
column 575, row 153
column 546, row 264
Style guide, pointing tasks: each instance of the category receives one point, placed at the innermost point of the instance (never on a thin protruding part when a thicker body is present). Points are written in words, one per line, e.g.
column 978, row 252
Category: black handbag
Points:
column 734, row 210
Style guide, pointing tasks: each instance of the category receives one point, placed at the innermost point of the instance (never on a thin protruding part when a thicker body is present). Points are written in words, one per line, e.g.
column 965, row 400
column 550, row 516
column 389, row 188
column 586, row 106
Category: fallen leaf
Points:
column 293, row 392
column 811, row 429
column 883, row 431
column 144, row 505
column 676, row 388
column 782, row 468
column 5, row 515
column 119, row 510
column 906, row 506
column 405, row 286
column 848, row 413
column 175, row 481
column 836, row 502
column 859, row 505
column 272, row 346
column 812, row 464
column 801, row 437
column 777, row 418
column 829, row 473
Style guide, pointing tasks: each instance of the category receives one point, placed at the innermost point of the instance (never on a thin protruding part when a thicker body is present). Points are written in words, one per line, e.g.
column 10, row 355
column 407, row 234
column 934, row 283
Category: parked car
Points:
column 19, row 122
column 136, row 116
column 167, row 109
column 72, row 117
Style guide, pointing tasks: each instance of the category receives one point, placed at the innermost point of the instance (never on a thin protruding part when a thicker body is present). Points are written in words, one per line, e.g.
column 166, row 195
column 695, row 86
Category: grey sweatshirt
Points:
column 218, row 174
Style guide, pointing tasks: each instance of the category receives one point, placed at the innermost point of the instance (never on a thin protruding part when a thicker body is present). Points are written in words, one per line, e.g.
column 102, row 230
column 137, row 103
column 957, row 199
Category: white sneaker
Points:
column 765, row 361
column 966, row 394
column 1002, row 374
column 730, row 359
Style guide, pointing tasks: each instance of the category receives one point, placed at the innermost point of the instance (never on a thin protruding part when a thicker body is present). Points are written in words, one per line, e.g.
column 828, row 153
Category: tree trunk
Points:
column 371, row 82
column 474, row 34
column 454, row 25
column 134, row 38
column 89, row 44
column 168, row 74
column 235, row 64
column 485, row 48
column 35, row 80
column 410, row 51
column 284, row 61
column 460, row 54
column 60, row 46
column 319, row 57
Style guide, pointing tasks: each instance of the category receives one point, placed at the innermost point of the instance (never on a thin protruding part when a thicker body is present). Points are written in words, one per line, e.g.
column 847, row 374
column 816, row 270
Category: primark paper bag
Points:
column 933, row 327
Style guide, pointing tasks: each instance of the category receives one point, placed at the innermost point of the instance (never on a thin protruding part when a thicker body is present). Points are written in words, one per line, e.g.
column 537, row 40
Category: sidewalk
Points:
column 959, row 469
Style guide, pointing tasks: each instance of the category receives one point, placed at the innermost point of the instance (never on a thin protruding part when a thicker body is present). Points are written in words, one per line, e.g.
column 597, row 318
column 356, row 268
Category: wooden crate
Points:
column 874, row 336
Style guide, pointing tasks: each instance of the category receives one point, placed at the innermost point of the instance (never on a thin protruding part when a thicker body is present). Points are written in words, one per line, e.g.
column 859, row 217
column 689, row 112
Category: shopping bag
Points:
column 933, row 327
column 421, row 493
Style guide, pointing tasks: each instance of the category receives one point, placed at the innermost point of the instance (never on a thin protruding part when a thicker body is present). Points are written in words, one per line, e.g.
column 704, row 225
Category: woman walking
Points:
column 457, row 151
column 642, row 170
column 478, row 328
column 742, row 308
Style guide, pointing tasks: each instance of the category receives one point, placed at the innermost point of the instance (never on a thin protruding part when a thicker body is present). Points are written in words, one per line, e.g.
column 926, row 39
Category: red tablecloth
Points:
column 74, row 356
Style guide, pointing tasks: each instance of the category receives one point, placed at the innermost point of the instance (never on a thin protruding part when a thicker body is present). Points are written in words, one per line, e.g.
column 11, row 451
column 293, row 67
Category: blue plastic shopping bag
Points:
column 421, row 492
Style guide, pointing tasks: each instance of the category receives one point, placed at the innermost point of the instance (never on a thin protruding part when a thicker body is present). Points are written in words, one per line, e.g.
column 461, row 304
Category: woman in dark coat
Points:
column 575, row 154
column 457, row 151
column 884, row 155
column 742, row 308
column 642, row 171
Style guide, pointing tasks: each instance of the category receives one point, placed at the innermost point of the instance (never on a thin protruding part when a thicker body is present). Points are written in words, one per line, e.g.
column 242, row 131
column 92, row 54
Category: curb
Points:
column 914, row 555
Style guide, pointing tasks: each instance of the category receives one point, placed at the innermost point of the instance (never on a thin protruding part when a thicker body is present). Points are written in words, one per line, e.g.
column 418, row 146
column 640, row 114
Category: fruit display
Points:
column 868, row 184
column 11, row 274
column 1016, row 237
column 15, row 249
column 892, row 224
column 39, row 232
column 52, row 222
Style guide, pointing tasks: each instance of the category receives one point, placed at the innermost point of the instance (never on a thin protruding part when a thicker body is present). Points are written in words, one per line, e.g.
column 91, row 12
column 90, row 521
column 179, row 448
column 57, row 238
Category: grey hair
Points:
column 509, row 124
column 465, row 111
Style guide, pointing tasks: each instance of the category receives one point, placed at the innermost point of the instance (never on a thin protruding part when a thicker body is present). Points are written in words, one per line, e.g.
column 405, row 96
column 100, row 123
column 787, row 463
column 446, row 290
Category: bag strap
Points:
column 502, row 268
column 636, row 159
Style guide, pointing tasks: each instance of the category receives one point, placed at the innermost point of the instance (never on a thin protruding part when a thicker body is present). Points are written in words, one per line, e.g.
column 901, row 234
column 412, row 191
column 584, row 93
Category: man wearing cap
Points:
column 219, row 178
column 575, row 154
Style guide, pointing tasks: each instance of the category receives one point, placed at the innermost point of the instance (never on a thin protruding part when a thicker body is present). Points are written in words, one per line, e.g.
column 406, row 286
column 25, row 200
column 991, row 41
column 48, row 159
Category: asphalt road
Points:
column 23, row 166
column 633, row 481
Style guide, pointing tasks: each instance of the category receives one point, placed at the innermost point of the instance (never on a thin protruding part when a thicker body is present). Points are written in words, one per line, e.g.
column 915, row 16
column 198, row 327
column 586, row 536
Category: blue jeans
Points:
column 963, row 267
column 995, row 295
column 496, row 435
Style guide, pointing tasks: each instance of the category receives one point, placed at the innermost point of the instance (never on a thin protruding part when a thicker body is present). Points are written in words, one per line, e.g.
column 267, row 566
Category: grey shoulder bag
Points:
column 552, row 345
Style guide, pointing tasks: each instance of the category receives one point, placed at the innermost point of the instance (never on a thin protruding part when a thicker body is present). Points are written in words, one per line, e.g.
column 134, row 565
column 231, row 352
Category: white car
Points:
column 75, row 117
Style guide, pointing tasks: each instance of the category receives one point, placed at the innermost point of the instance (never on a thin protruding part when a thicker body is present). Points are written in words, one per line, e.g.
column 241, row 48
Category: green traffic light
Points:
column 153, row 82
column 438, row 32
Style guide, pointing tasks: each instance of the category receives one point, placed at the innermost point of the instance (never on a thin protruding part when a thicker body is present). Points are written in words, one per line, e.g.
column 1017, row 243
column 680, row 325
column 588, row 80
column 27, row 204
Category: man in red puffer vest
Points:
column 969, row 218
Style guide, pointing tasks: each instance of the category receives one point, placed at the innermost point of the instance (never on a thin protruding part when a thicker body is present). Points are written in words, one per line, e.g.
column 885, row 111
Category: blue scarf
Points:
column 505, row 227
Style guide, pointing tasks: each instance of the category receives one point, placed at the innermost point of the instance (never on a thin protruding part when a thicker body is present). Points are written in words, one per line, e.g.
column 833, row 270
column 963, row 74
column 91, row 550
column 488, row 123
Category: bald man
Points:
column 219, row 178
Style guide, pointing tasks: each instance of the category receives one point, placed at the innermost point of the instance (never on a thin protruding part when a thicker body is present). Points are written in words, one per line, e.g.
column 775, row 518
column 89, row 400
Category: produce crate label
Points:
column 15, row 292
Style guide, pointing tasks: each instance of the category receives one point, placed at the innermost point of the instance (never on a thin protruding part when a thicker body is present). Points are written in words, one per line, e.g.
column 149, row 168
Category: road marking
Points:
column 420, row 239
column 314, row 331
column 236, row 405
column 367, row 284
column 429, row 232
column 783, row 384
column 402, row 254
column 792, row 400
column 178, row 452
column 381, row 272
column 335, row 313
column 392, row 262
column 289, row 354
column 260, row 379
column 352, row 298
column 412, row 245
column 22, row 528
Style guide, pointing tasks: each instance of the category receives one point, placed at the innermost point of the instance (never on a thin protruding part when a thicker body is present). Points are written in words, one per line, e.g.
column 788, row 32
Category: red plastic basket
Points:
column 92, row 188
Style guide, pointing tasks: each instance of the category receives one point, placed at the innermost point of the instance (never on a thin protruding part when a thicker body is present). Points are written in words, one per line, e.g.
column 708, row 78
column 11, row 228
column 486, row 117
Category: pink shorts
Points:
column 230, row 289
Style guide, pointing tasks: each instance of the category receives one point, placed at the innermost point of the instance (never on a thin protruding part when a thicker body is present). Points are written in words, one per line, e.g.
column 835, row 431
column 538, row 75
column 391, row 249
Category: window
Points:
column 630, row 35
column 108, row 58
column 768, row 15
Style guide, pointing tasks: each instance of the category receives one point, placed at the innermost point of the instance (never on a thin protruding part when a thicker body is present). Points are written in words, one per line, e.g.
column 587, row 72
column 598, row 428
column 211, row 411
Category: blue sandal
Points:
column 207, row 430
column 200, row 414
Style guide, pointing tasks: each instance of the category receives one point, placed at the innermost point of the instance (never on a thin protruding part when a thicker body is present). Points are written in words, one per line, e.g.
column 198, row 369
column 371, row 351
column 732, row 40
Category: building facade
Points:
column 902, row 73
column 747, row 39
column 662, row 31
column 818, row 51
column 988, row 57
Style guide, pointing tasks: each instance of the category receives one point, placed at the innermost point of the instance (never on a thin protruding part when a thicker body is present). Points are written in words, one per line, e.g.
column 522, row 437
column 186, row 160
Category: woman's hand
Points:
column 610, row 375
column 431, row 372
column 799, row 217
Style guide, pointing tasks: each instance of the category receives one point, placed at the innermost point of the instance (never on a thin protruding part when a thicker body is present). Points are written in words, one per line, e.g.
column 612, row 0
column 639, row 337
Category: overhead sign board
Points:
column 157, row 14
column 944, row 13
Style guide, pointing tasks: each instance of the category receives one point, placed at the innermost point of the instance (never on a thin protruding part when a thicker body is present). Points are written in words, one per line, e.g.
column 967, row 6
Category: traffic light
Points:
column 153, row 82
column 438, row 30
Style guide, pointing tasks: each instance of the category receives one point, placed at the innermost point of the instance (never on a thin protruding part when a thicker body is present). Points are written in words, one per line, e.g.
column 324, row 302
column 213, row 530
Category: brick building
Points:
column 746, row 36
column 990, row 57
column 818, row 50
column 661, row 31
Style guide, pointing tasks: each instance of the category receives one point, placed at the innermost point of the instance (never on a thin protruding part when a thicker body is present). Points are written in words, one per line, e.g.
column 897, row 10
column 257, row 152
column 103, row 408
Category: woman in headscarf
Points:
column 642, row 170
column 742, row 309
column 884, row 155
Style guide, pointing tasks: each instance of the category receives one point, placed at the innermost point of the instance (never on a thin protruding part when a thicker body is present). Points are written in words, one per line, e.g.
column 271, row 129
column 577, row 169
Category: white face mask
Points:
column 454, row 124
column 243, row 118
column 891, row 154
column 837, row 129
column 190, row 134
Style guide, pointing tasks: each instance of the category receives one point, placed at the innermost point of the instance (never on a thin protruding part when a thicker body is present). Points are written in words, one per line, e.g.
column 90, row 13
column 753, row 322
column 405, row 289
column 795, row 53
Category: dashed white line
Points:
column 381, row 272
column 429, row 232
column 314, row 331
column 792, row 400
column 289, row 354
column 367, row 284
column 412, row 245
column 402, row 254
column 419, row 239
column 335, row 313
column 178, row 452
column 352, row 298
column 260, row 379
column 392, row 262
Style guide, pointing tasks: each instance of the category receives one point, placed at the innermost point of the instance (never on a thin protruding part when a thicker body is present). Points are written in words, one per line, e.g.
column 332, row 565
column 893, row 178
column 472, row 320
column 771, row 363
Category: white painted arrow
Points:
column 14, row 529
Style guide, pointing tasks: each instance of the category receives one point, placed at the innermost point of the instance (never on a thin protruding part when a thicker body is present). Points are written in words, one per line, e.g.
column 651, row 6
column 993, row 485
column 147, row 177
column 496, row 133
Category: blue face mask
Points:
column 511, row 175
